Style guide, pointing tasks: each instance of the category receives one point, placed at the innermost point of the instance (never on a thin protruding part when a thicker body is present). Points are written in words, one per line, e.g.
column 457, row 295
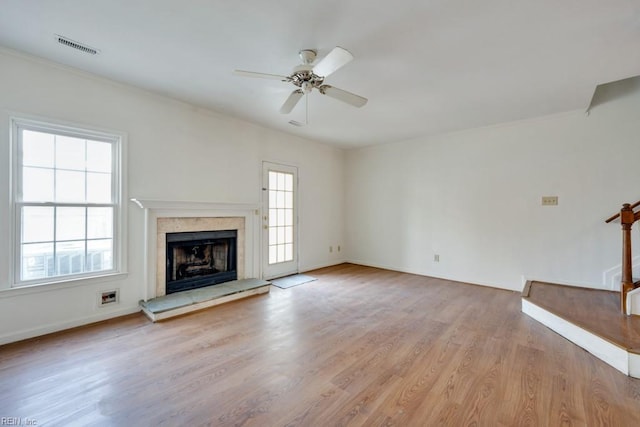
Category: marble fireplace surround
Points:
column 162, row 217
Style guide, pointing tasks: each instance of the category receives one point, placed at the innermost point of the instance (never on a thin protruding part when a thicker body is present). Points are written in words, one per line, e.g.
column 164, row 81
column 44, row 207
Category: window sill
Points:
column 52, row 286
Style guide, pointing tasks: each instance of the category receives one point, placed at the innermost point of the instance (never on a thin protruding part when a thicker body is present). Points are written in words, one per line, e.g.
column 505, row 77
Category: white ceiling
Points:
column 427, row 66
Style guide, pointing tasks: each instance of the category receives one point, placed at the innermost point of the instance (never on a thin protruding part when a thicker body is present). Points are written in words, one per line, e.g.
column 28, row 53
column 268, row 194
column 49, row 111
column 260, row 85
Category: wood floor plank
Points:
column 359, row 346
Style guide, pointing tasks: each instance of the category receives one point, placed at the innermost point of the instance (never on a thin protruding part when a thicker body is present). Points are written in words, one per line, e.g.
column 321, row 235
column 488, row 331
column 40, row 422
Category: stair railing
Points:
column 627, row 218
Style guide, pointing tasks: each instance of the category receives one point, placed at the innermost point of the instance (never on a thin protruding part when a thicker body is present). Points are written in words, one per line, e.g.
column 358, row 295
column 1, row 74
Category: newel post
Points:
column 627, row 219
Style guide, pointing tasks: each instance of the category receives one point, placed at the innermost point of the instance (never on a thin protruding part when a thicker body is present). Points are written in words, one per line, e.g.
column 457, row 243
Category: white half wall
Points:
column 175, row 152
column 474, row 199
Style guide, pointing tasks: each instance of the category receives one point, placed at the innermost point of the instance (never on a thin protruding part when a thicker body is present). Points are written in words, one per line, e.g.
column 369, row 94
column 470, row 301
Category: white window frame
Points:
column 118, row 141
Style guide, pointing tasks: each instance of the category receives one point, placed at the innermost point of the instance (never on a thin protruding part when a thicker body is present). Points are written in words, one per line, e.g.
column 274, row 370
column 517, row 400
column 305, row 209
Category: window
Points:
column 66, row 202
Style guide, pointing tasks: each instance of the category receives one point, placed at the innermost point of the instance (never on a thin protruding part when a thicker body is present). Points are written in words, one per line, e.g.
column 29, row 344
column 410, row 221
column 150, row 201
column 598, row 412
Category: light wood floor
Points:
column 359, row 346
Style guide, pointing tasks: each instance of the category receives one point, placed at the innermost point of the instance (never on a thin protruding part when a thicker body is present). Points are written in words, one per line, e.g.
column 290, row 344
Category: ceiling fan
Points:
column 307, row 77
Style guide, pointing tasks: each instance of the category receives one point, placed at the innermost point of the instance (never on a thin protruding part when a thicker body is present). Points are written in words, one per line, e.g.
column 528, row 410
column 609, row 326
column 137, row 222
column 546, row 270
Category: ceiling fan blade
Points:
column 343, row 95
column 291, row 101
column 336, row 59
column 243, row 73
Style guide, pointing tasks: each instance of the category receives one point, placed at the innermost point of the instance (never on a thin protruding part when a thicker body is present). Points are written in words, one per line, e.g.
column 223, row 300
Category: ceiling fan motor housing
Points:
column 303, row 77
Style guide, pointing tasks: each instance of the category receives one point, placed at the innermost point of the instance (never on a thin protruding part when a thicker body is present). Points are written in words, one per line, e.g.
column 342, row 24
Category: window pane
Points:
column 273, row 180
column 273, row 217
column 99, row 223
column 37, row 224
column 99, row 255
column 70, row 223
column 98, row 156
column 280, row 235
column 37, row 149
column 288, row 182
column 281, row 217
column 98, row 187
column 70, row 186
column 37, row 185
column 37, row 261
column 272, row 198
column 70, row 257
column 273, row 235
column 280, row 199
column 280, row 181
column 70, row 153
column 288, row 217
column 288, row 252
column 288, row 200
column 288, row 234
column 280, row 253
column 273, row 254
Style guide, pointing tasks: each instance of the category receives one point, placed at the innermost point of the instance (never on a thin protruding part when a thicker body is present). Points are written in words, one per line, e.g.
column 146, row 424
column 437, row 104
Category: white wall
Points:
column 175, row 152
column 473, row 197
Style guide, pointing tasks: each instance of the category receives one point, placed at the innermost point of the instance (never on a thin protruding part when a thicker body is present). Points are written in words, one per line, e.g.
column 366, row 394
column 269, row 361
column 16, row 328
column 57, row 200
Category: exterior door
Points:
column 280, row 220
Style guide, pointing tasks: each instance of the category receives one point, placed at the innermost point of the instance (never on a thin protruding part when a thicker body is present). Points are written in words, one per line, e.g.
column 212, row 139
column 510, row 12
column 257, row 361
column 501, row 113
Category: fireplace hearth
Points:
column 201, row 258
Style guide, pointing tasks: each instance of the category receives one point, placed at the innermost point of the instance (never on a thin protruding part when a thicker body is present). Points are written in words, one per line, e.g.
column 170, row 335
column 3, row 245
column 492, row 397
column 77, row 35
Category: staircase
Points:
column 627, row 217
column 590, row 318
column 600, row 321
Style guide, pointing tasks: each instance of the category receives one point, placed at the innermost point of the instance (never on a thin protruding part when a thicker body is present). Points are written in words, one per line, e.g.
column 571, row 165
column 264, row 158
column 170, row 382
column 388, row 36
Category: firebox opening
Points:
column 198, row 259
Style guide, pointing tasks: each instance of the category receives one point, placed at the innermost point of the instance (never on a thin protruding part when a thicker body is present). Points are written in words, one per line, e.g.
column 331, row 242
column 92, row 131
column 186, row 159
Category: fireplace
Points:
column 200, row 258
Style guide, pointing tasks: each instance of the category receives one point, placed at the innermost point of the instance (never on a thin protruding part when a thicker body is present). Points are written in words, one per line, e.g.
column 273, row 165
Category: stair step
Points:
column 590, row 318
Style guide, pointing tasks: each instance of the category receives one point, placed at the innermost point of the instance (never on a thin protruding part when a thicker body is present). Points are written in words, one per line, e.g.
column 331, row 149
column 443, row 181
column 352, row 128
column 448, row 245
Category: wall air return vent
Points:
column 76, row 45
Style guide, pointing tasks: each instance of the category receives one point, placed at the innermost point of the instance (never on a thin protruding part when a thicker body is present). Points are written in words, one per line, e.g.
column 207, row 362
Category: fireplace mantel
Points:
column 154, row 209
column 194, row 205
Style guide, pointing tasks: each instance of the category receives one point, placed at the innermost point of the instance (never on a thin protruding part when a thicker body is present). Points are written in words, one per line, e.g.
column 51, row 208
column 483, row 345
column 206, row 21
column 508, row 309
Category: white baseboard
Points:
column 307, row 268
column 35, row 332
column 518, row 288
column 613, row 355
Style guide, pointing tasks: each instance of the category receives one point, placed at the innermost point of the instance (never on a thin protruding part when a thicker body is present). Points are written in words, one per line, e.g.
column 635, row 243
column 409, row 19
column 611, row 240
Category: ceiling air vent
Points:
column 76, row 45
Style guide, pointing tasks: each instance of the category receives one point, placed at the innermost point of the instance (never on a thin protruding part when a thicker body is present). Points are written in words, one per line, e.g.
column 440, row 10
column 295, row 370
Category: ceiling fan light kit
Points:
column 308, row 77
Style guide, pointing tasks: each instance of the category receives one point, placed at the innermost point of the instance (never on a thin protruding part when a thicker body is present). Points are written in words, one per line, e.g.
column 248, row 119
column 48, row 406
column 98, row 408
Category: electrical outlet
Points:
column 108, row 297
column 436, row 258
column 549, row 200
column 338, row 248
